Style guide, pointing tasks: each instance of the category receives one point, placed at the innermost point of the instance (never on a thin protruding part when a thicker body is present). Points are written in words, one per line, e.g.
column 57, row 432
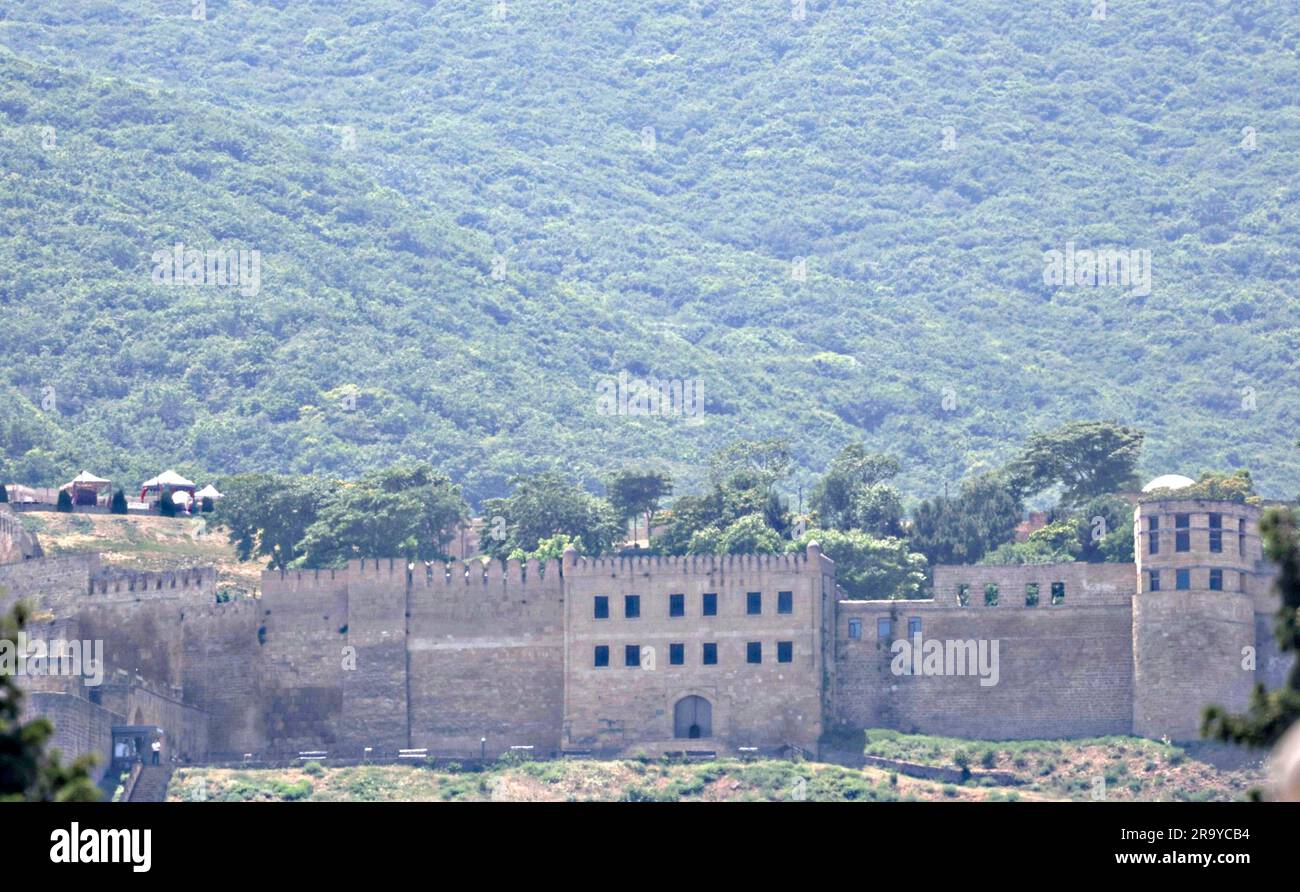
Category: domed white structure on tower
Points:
column 1168, row 481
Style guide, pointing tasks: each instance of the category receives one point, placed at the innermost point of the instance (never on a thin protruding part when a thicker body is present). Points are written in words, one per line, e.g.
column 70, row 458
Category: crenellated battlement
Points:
column 487, row 573
column 809, row 561
column 421, row 575
column 532, row 573
column 146, row 583
column 389, row 653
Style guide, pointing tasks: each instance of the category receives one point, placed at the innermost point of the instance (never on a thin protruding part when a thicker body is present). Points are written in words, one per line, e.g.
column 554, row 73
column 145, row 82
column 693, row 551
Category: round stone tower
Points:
column 1193, row 616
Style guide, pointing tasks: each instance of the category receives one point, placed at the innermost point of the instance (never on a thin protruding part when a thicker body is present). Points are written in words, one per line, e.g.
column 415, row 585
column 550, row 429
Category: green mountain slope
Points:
column 648, row 177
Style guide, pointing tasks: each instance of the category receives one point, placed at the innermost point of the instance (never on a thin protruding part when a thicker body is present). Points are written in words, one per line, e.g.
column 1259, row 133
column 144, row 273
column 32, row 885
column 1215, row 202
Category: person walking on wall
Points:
column 156, row 746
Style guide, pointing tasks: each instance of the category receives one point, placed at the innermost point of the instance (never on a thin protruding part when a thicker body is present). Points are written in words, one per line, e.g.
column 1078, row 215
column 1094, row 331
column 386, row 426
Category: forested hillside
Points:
column 470, row 215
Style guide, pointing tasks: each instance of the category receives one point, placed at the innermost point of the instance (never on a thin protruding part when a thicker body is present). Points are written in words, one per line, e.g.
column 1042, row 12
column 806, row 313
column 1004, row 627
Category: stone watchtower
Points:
column 1198, row 571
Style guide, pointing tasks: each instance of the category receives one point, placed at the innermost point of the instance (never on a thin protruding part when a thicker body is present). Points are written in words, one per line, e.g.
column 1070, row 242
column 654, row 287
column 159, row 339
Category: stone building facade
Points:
column 668, row 654
column 1085, row 649
column 609, row 656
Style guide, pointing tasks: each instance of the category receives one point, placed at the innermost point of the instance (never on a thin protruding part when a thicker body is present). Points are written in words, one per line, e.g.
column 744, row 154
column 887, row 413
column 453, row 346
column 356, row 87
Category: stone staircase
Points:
column 151, row 785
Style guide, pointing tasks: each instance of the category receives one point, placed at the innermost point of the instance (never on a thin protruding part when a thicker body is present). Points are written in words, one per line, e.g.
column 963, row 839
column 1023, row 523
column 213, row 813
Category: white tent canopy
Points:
column 167, row 478
column 208, row 492
column 87, row 479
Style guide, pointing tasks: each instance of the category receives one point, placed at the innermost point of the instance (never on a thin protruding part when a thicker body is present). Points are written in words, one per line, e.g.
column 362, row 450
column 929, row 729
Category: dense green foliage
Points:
column 414, row 511
column 267, row 515
column 1099, row 530
column 1085, row 459
column 635, row 494
column 853, row 494
column 871, row 568
column 407, row 511
column 1235, row 487
column 466, row 225
column 961, row 529
column 543, row 507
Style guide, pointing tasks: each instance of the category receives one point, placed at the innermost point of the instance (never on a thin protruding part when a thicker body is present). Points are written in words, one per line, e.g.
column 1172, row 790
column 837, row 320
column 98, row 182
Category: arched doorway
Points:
column 693, row 718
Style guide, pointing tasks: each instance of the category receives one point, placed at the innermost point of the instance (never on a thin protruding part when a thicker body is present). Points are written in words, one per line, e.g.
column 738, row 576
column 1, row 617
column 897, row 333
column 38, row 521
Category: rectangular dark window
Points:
column 754, row 603
column 1216, row 580
column 855, row 629
column 602, row 655
column 884, row 628
column 1216, row 532
column 1241, row 538
column 1182, row 532
column 991, row 595
column 676, row 605
column 676, row 654
column 710, row 604
column 632, row 606
column 1058, row 593
column 1031, row 594
column 1154, row 584
column 602, row 607
column 632, row 655
column 1153, row 535
column 785, row 602
column 785, row 651
column 913, row 626
column 710, row 654
column 1182, row 579
column 754, row 652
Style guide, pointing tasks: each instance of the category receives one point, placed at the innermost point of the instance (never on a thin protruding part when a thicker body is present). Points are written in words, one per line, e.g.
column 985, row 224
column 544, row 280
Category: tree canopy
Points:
column 407, row 511
column 1085, row 458
column 544, row 506
column 805, row 216
column 853, row 494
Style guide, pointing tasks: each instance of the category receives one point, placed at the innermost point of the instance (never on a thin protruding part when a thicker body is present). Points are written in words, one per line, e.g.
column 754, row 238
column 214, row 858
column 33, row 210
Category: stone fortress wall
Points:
column 16, row 543
column 137, row 618
column 658, row 654
column 1064, row 664
column 435, row 656
column 1085, row 649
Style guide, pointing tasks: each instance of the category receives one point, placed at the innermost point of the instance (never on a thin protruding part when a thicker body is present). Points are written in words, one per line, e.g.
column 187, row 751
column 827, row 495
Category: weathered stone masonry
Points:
column 659, row 654
column 1119, row 652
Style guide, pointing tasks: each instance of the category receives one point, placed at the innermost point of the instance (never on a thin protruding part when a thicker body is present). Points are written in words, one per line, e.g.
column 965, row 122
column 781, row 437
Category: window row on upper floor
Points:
column 708, row 605
column 1183, row 533
column 645, row 657
column 1214, row 580
column 884, row 628
column 993, row 594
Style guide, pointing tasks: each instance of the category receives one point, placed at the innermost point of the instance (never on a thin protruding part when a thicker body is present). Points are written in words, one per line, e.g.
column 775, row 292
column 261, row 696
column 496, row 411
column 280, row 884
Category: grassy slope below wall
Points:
column 138, row 542
column 1056, row 770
